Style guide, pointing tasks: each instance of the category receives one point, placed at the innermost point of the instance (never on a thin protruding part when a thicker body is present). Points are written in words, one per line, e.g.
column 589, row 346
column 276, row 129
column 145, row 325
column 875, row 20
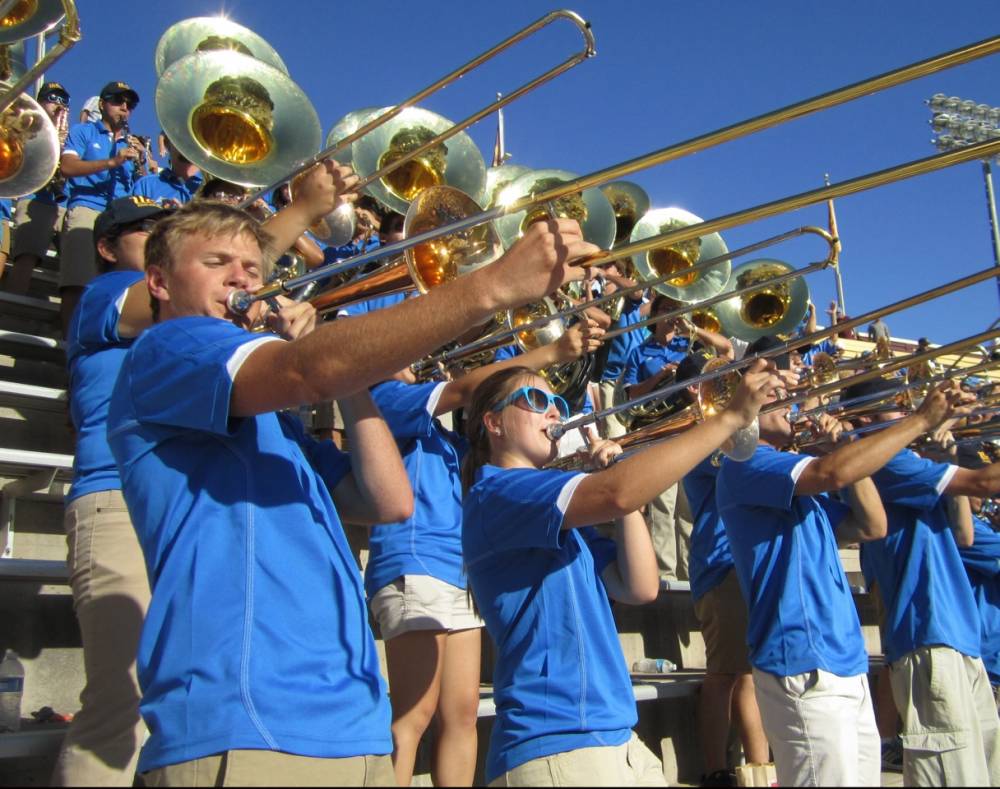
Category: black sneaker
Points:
column 719, row 778
column 892, row 756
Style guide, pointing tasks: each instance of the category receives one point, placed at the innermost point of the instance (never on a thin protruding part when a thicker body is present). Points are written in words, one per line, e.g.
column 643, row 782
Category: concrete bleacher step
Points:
column 16, row 395
column 28, row 306
column 25, row 345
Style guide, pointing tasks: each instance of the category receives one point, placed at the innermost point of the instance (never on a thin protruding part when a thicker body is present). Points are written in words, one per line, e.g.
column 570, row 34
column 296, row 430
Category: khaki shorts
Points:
column 422, row 602
column 723, row 616
column 950, row 730
column 77, row 256
column 273, row 768
column 36, row 223
column 630, row 764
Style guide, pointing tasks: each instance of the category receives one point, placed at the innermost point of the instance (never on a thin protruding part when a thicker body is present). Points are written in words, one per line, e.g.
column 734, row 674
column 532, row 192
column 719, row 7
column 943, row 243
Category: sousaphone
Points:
column 773, row 309
column 208, row 34
column 455, row 162
column 28, row 18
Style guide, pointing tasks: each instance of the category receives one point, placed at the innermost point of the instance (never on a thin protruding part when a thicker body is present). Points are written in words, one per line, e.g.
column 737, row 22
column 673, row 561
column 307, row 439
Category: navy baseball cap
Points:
column 125, row 211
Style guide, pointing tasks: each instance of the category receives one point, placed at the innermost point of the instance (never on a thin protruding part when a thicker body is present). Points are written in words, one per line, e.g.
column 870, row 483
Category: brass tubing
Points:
column 919, row 298
column 475, row 347
column 68, row 36
column 888, row 367
column 823, row 101
column 588, row 51
column 922, row 68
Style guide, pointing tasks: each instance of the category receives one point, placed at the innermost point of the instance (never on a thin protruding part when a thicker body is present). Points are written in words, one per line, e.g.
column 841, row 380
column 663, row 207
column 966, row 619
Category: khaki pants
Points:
column 670, row 525
column 77, row 256
column 611, row 426
column 821, row 728
column 110, row 595
column 631, row 764
column 950, row 732
column 36, row 222
column 272, row 768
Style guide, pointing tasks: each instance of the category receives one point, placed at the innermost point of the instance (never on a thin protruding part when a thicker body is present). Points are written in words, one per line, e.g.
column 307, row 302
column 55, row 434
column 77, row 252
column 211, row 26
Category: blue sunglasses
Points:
column 537, row 400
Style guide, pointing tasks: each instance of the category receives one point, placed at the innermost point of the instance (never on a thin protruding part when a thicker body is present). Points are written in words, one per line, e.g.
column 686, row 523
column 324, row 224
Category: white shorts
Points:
column 422, row 602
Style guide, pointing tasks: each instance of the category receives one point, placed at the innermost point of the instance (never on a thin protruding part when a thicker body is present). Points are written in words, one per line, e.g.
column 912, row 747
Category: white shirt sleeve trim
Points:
column 800, row 467
column 242, row 353
column 432, row 401
column 946, row 478
column 69, row 151
column 120, row 301
column 567, row 492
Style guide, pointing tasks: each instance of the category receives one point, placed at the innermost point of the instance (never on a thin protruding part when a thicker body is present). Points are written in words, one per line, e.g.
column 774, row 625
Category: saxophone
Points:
column 57, row 185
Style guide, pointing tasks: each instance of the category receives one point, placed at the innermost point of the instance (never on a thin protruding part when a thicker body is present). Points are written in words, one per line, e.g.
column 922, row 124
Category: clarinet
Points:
column 139, row 169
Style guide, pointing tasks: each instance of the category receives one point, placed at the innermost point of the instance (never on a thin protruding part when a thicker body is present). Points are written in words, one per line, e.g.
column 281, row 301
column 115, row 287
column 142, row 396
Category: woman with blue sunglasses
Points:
column 542, row 577
column 415, row 580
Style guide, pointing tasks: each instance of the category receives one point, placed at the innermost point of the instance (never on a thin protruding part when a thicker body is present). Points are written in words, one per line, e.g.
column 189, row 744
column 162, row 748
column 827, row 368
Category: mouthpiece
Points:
column 555, row 431
column 239, row 301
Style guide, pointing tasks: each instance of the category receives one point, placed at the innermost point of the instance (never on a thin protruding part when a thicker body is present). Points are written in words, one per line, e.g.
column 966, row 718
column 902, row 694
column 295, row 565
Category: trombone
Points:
column 240, row 301
column 588, row 51
column 558, row 430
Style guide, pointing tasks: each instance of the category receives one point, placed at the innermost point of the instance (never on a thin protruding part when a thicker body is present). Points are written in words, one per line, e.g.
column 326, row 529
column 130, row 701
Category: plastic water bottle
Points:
column 654, row 666
column 11, row 691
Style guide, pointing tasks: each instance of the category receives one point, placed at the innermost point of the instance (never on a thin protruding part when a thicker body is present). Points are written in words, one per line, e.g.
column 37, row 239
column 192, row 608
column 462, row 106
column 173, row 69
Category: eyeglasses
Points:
column 537, row 400
column 55, row 98
column 118, row 101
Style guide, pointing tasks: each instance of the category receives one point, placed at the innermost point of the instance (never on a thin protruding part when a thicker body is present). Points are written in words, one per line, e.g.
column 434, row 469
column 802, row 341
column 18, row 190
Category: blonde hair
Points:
column 206, row 218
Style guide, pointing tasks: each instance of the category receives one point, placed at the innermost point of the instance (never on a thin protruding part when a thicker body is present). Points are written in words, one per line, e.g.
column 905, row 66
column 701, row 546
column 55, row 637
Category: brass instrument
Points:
column 29, row 18
column 589, row 207
column 278, row 157
column 677, row 258
column 209, row 34
column 347, row 125
column 773, row 309
column 395, row 163
column 629, row 202
column 498, row 179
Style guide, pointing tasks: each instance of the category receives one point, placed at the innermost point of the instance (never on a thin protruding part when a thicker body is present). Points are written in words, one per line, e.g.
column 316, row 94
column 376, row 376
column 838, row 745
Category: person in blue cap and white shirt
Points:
column 415, row 576
column 98, row 161
column 809, row 662
column 542, row 578
column 950, row 732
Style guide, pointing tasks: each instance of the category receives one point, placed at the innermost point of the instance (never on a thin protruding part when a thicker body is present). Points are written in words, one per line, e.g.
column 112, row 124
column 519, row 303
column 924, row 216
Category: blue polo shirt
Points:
column 823, row 346
column 624, row 344
column 710, row 559
column 649, row 358
column 167, row 185
column 429, row 542
column 560, row 681
column 982, row 563
column 928, row 600
column 257, row 634
column 94, row 354
column 92, row 141
column 802, row 615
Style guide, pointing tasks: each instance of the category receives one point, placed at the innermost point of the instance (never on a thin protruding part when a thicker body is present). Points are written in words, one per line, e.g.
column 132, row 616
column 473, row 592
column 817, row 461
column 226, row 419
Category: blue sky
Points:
column 664, row 72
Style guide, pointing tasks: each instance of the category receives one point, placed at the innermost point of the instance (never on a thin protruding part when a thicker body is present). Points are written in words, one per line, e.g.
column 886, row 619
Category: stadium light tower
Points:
column 959, row 122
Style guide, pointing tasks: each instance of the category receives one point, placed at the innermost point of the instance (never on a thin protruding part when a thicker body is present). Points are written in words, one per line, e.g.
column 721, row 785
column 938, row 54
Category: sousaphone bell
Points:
column 771, row 310
column 455, row 162
column 498, row 179
column 28, row 18
column 590, row 208
column 29, row 148
column 661, row 261
column 630, row 202
column 236, row 117
column 208, row 34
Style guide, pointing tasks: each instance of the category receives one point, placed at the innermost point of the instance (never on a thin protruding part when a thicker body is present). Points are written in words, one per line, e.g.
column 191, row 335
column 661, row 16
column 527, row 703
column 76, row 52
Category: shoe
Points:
column 892, row 756
column 719, row 778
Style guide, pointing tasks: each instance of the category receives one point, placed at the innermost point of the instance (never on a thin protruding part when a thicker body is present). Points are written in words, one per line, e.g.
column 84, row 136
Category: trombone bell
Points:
column 442, row 259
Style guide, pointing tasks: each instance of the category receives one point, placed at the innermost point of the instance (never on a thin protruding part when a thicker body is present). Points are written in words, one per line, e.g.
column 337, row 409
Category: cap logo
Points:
column 139, row 201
